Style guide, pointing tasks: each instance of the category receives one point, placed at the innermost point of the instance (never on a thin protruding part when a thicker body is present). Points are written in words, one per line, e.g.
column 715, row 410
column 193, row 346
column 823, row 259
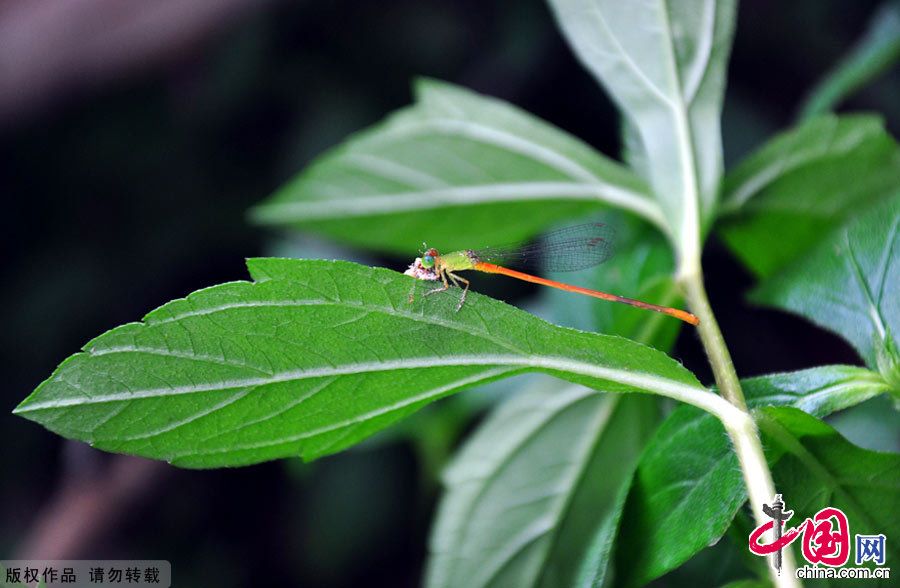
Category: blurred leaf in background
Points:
column 529, row 492
column 848, row 284
column 466, row 161
column 874, row 54
column 804, row 182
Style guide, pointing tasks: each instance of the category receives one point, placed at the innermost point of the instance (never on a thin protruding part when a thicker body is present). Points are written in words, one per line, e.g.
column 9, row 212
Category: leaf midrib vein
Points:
column 640, row 380
column 485, row 193
column 549, row 417
column 855, row 269
column 597, row 430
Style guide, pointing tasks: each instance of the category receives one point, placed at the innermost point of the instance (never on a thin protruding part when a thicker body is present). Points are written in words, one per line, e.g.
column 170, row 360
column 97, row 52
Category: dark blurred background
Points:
column 134, row 136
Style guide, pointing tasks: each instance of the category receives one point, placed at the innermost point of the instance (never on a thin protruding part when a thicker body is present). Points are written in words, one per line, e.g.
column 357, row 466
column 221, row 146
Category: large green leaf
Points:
column 664, row 65
column 849, row 284
column 529, row 493
column 689, row 467
column 311, row 358
column 817, row 467
column 803, row 183
column 874, row 54
column 458, row 169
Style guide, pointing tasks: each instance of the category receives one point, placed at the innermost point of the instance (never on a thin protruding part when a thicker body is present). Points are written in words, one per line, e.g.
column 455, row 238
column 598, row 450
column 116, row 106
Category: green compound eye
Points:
column 428, row 261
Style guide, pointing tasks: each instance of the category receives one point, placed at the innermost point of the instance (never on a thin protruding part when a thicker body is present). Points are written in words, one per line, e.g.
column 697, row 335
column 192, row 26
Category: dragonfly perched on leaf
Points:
column 564, row 250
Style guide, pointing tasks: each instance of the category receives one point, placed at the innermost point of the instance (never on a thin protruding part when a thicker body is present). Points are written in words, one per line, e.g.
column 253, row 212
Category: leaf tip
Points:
column 261, row 214
column 422, row 85
column 23, row 408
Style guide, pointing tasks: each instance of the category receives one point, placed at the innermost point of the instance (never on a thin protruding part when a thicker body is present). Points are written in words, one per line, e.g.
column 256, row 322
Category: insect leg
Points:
column 443, row 279
column 465, row 289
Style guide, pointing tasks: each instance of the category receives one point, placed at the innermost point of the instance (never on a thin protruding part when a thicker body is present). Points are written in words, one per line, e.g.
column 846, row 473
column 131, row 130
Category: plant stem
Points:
column 713, row 342
column 739, row 424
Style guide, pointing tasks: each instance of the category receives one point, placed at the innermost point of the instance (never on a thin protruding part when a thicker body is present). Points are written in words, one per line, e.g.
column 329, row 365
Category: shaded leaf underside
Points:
column 446, row 170
column 848, row 284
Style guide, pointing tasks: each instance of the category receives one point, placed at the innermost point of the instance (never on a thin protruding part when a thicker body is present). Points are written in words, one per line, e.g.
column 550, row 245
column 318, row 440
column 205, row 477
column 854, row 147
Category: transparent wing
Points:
column 565, row 250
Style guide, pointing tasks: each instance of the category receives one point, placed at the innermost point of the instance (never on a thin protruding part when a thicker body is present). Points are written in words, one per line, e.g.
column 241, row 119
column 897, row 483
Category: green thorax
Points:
column 458, row 261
